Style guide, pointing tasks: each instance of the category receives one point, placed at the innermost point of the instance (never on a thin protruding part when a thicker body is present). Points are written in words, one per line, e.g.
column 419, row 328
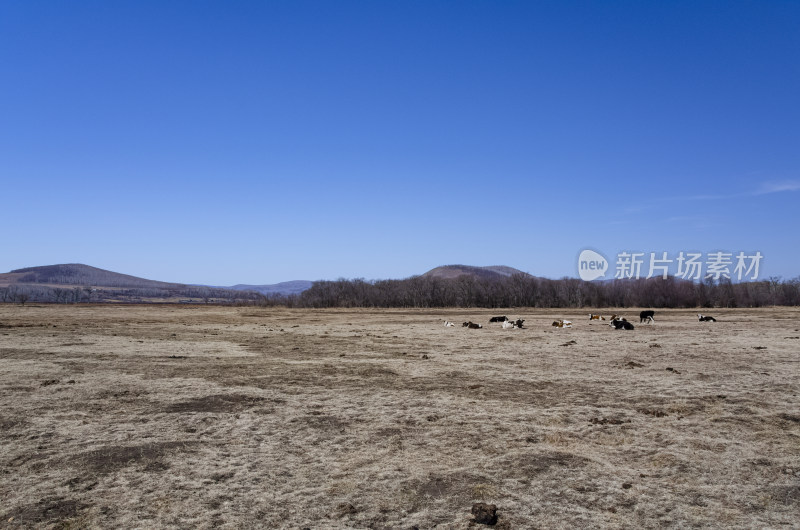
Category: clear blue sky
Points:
column 257, row 142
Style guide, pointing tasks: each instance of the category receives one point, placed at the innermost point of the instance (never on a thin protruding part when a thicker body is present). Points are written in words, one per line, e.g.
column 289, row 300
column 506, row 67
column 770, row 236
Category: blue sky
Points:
column 258, row 142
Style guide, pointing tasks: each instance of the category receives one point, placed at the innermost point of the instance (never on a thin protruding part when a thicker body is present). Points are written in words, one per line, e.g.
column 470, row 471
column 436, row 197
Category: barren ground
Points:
column 200, row 417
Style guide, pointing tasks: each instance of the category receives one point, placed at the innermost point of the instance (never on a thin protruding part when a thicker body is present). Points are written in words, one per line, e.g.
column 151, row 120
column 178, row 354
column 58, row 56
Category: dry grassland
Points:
column 201, row 417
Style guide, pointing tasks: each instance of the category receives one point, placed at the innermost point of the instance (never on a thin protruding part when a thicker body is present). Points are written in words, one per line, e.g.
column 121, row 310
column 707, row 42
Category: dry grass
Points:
column 199, row 417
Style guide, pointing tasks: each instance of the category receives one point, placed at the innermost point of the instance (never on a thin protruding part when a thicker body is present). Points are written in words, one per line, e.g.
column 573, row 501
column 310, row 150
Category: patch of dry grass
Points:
column 141, row 416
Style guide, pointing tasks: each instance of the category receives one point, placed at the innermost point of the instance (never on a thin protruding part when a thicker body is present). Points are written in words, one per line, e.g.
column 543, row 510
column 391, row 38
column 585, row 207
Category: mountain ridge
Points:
column 449, row 272
column 81, row 275
column 290, row 287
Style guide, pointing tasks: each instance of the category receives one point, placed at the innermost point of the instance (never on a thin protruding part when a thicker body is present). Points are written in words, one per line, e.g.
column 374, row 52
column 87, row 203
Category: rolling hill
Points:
column 77, row 274
column 63, row 281
column 291, row 287
column 73, row 282
column 449, row 272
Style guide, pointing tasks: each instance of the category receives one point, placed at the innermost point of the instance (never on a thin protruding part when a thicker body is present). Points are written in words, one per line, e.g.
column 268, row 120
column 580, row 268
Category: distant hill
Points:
column 75, row 282
column 292, row 287
column 82, row 275
column 449, row 272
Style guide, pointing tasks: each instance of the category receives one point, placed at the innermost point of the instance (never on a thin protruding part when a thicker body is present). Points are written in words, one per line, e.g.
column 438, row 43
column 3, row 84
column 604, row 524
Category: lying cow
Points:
column 561, row 323
column 518, row 322
column 702, row 318
column 499, row 319
column 508, row 324
column 448, row 324
column 596, row 317
column 647, row 316
column 621, row 324
column 471, row 325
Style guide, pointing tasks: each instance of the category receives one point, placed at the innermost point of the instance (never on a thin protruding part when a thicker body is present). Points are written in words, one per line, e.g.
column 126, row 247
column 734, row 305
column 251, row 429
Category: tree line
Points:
column 527, row 291
column 519, row 290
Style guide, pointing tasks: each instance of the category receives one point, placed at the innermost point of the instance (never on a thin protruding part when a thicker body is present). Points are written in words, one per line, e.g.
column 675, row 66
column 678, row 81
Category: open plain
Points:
column 146, row 416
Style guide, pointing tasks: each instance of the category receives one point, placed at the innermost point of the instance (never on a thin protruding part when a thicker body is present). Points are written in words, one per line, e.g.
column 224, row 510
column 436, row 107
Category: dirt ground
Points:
column 234, row 417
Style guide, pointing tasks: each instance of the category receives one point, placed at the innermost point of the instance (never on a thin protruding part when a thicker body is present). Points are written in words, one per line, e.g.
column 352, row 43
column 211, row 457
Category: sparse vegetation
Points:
column 208, row 416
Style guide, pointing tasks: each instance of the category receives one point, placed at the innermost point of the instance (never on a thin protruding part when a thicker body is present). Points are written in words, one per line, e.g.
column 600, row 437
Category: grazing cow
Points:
column 519, row 322
column 647, row 316
column 508, row 324
column 448, row 324
column 596, row 317
column 561, row 323
column 499, row 319
column 471, row 325
column 621, row 324
column 702, row 318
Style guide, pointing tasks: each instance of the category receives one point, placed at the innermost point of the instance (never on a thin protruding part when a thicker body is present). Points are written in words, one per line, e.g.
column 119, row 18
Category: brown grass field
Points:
column 234, row 417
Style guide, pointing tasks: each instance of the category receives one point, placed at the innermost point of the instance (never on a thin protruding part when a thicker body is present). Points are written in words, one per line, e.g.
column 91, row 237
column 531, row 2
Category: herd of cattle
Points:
column 505, row 322
column 616, row 322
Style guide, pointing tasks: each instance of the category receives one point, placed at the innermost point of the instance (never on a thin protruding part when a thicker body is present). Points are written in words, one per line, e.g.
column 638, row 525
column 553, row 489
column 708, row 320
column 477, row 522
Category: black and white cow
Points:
column 621, row 324
column 706, row 318
column 647, row 316
column 499, row 319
